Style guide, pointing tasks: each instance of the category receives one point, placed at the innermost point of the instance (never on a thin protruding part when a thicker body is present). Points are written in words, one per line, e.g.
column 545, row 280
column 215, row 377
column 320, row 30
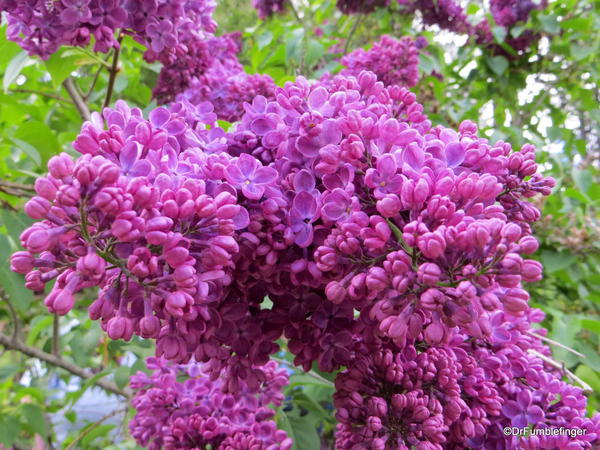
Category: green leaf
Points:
column 498, row 64
column 60, row 66
column 28, row 149
column 590, row 376
column 8, row 371
column 592, row 325
column 550, row 23
column 499, row 33
column 41, row 137
column 35, row 419
column 122, row 376
column 97, row 432
column 264, row 39
column 554, row 261
column 301, row 429
column 583, row 179
column 15, row 66
column 9, row 430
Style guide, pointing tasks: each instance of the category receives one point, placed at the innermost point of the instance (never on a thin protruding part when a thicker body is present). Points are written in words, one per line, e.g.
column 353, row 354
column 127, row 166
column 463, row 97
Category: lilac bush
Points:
column 199, row 411
column 389, row 248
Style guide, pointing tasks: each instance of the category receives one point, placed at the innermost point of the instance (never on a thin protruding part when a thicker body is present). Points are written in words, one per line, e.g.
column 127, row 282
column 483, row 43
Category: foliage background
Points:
column 549, row 97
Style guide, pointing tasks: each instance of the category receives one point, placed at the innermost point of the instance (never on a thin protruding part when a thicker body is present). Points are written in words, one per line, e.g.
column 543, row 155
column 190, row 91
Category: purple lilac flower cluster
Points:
column 461, row 394
column 224, row 83
column 201, row 412
column 395, row 62
column 166, row 28
column 267, row 8
column 450, row 15
column 361, row 6
column 508, row 13
column 385, row 245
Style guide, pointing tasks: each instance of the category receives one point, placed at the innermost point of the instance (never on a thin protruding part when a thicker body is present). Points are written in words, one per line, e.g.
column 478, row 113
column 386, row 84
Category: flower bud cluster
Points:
column 460, row 395
column 393, row 61
column 200, row 412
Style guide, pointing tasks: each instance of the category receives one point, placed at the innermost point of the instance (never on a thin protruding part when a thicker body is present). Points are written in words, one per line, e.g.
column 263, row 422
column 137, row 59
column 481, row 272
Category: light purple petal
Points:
column 413, row 156
column 265, row 175
column 159, row 116
column 304, row 235
column 317, row 98
column 304, row 181
column 253, row 191
column 386, row 165
column 248, row 165
column 129, row 155
column 175, row 127
column 511, row 409
column 535, row 414
column 524, row 399
column 308, row 147
column 141, row 168
column 234, row 175
column 455, row 154
column 305, row 204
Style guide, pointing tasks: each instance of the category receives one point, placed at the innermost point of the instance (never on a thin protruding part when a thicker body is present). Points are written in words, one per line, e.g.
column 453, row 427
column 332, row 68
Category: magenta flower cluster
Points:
column 201, row 412
column 166, row 28
column 395, row 62
column 450, row 15
column 267, row 8
column 224, row 83
column 360, row 6
column 385, row 245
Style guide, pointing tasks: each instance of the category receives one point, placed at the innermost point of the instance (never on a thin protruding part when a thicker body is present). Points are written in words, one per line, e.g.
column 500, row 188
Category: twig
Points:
column 352, row 31
column 13, row 314
column 7, row 205
column 56, row 336
column 310, row 372
column 15, row 344
column 42, row 93
column 114, row 69
column 12, row 184
column 79, row 103
column 586, row 387
column 93, row 426
column 87, row 96
column 553, row 342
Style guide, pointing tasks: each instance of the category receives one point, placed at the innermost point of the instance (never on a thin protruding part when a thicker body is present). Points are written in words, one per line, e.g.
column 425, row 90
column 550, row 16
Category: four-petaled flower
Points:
column 247, row 174
column 384, row 179
column 522, row 412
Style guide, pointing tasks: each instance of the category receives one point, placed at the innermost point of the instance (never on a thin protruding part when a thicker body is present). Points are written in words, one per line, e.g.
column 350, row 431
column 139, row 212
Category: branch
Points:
column 78, row 101
column 352, row 31
column 553, row 342
column 561, row 366
column 13, row 185
column 56, row 336
column 114, row 70
column 93, row 426
column 13, row 314
column 42, row 93
column 15, row 344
